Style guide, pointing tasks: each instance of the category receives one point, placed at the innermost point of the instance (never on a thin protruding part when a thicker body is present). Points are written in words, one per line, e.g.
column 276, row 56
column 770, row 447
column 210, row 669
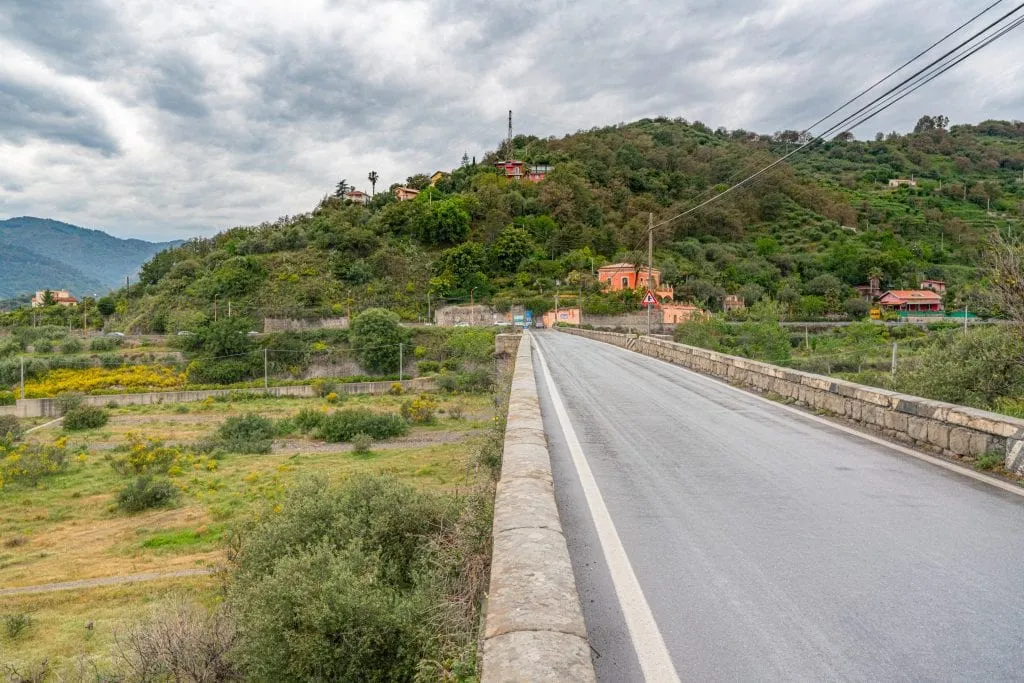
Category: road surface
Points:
column 765, row 545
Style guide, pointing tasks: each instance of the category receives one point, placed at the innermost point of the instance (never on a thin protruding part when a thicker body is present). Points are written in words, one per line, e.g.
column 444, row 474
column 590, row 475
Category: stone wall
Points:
column 50, row 407
column 636, row 321
column 450, row 316
column 944, row 428
column 298, row 324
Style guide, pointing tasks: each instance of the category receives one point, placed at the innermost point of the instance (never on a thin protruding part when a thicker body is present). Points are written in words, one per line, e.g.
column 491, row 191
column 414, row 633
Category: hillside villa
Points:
column 61, row 297
column 618, row 277
column 733, row 302
column 404, row 194
column 357, row 197
column 520, row 170
column 911, row 300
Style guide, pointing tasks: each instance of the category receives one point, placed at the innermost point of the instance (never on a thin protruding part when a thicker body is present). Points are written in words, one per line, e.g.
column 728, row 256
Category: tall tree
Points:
column 342, row 189
column 373, row 177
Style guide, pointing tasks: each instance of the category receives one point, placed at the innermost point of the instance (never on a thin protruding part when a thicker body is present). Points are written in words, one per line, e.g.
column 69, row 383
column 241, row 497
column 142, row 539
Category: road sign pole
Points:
column 650, row 266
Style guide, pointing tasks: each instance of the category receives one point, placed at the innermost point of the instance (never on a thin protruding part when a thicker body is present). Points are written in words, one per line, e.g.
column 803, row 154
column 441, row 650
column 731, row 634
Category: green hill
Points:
column 803, row 235
column 37, row 253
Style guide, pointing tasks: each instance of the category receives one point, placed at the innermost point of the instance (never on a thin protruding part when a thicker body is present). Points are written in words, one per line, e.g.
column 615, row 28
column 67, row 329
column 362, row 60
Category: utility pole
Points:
column 472, row 307
column 892, row 367
column 401, row 362
column 229, row 308
column 650, row 265
column 429, row 320
column 23, row 376
column 579, row 305
column 215, row 310
column 965, row 316
column 266, row 370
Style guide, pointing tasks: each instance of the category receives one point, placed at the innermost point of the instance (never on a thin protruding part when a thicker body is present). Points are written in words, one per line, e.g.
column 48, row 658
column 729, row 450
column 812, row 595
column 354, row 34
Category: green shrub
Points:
column 71, row 346
column 988, row 461
column 471, row 343
column 361, row 444
column 29, row 463
column 229, row 371
column 146, row 492
column 322, row 387
column 8, row 398
column 85, row 417
column 466, row 382
column 419, row 410
column 10, row 429
column 43, row 346
column 308, row 420
column 101, row 344
column 375, row 335
column 249, row 433
column 428, row 367
column 15, row 625
column 345, row 424
column 111, row 360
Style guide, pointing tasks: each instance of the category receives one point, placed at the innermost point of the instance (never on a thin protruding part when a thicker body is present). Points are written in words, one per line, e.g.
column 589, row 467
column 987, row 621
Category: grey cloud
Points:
column 83, row 36
column 28, row 113
column 256, row 150
column 177, row 85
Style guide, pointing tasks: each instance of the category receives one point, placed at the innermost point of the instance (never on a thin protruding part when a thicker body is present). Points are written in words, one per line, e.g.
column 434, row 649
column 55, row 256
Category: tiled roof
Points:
column 913, row 294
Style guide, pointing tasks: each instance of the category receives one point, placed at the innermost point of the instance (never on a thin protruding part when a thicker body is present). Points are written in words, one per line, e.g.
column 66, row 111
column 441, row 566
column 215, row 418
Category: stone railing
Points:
column 534, row 629
column 945, row 428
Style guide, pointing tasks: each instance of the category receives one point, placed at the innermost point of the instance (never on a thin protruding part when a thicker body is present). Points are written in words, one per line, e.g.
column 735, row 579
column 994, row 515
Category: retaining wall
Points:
column 946, row 428
column 50, row 407
column 299, row 324
column 534, row 629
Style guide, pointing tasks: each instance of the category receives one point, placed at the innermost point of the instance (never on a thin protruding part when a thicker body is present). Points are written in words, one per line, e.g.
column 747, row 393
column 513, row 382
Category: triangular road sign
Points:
column 649, row 299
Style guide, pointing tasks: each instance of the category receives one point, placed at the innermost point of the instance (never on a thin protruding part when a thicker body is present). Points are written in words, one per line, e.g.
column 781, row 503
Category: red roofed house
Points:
column 61, row 297
column 618, row 277
column 912, row 300
column 358, row 197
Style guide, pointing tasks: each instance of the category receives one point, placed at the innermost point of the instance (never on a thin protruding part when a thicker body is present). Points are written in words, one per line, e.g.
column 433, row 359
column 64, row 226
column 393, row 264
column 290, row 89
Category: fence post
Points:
column 892, row 367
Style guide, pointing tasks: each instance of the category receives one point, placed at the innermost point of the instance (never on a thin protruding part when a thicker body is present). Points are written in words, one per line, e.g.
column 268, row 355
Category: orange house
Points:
column 618, row 277
column 568, row 316
column 405, row 194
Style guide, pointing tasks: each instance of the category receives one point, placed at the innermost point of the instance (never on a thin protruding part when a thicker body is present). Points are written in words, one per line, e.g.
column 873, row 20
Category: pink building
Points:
column 618, row 277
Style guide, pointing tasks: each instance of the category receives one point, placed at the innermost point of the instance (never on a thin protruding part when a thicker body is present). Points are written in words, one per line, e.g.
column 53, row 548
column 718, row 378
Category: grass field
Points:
column 69, row 528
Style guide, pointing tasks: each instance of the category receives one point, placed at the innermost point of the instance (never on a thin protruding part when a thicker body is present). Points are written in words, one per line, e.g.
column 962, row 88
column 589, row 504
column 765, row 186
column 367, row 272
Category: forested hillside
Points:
column 38, row 253
column 802, row 235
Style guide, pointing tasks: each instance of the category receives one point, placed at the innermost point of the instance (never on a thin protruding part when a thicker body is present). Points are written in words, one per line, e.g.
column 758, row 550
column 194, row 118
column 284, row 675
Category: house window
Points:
column 625, row 283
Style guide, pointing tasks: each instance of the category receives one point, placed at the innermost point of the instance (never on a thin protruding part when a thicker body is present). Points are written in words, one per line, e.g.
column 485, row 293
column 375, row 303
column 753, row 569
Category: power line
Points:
column 899, row 88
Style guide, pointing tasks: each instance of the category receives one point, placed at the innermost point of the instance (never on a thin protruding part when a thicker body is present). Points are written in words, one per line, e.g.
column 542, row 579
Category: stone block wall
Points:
column 944, row 428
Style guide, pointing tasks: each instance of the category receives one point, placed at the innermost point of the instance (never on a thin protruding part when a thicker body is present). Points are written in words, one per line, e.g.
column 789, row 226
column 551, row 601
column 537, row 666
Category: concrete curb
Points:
column 534, row 629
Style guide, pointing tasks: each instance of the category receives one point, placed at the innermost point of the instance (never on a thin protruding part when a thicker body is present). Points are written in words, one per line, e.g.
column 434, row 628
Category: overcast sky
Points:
column 166, row 120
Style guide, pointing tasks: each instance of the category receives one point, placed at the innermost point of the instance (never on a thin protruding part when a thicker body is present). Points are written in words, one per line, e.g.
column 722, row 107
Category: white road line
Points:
column 853, row 431
column 648, row 642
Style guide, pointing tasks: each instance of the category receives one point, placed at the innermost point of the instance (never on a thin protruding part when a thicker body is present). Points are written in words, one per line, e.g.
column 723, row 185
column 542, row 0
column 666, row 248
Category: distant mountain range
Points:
column 38, row 253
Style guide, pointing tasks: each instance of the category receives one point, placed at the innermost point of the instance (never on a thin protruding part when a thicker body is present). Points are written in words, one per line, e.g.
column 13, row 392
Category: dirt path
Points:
column 104, row 581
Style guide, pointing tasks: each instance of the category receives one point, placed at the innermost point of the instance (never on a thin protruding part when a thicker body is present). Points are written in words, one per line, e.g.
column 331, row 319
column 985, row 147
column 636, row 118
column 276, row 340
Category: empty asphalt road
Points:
column 759, row 544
